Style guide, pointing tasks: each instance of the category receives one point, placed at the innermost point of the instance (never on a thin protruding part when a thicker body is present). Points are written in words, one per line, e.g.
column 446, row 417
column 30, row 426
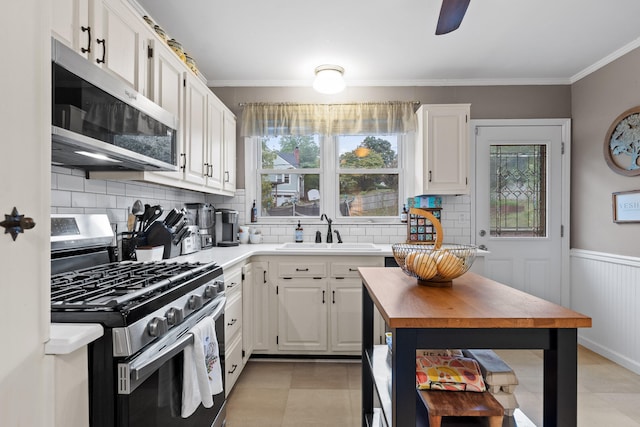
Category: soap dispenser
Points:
column 299, row 233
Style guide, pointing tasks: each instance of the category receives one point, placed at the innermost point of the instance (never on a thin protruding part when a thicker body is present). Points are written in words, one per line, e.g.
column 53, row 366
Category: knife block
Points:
column 159, row 235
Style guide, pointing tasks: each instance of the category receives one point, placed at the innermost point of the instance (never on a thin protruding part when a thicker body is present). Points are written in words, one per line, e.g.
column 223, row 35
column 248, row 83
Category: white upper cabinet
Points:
column 112, row 35
column 120, row 42
column 195, row 130
column 229, row 151
column 70, row 24
column 442, row 149
column 215, row 136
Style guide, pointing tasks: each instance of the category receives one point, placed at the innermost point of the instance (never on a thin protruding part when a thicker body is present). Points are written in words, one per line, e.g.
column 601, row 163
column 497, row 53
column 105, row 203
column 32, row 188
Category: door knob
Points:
column 482, row 232
column 16, row 223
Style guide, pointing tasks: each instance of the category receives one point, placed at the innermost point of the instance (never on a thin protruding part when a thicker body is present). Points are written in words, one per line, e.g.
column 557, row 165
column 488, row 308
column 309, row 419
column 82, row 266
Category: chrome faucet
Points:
column 329, row 232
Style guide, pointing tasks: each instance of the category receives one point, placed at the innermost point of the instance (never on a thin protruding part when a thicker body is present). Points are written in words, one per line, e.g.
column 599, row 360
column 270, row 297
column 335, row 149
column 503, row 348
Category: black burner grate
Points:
column 119, row 286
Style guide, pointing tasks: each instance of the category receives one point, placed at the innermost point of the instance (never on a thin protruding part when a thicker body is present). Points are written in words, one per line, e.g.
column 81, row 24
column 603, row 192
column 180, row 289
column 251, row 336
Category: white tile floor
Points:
column 272, row 393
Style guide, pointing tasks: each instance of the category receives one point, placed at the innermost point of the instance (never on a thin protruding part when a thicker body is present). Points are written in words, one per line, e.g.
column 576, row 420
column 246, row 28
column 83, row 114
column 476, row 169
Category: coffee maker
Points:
column 226, row 227
column 202, row 215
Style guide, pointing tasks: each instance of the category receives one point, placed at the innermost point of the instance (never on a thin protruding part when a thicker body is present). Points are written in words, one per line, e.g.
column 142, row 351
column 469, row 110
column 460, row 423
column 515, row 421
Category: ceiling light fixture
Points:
column 329, row 79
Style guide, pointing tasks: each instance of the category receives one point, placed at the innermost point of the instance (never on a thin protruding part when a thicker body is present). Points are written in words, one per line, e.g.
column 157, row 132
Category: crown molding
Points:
column 606, row 60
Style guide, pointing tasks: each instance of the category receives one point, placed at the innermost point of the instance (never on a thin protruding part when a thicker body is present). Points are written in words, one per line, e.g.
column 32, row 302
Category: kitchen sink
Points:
column 329, row 247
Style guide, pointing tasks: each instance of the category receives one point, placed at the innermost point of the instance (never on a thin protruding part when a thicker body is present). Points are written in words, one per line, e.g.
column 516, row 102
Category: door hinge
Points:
column 149, row 52
column 277, row 340
column 476, row 130
column 184, row 82
column 466, row 180
column 277, row 290
column 466, row 118
column 562, row 148
column 243, row 276
column 243, row 353
column 562, row 231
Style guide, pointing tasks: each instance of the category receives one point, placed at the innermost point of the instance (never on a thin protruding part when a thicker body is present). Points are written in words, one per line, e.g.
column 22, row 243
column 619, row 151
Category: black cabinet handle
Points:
column 302, row 269
column 323, row 297
column 184, row 161
column 233, row 322
column 264, row 276
column 226, row 176
column 87, row 29
column 233, row 369
column 103, row 42
column 333, row 297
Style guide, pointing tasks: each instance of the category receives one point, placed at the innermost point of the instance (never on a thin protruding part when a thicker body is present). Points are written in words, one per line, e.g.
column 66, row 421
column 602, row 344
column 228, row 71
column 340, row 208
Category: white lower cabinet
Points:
column 233, row 320
column 232, row 364
column 302, row 314
column 309, row 305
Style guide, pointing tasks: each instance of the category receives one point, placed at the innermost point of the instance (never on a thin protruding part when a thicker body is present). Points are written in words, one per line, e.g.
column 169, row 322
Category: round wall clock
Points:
column 622, row 143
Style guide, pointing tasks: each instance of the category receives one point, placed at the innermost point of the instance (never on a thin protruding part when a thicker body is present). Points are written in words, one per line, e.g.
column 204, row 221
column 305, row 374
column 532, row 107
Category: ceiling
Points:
column 392, row 42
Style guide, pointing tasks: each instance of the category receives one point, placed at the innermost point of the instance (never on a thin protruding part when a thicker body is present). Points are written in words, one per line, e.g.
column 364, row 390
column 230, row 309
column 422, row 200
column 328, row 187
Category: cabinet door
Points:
column 229, row 151
column 195, row 119
column 247, row 312
column 261, row 307
column 166, row 88
column 346, row 315
column 443, row 134
column 70, row 24
column 120, row 42
column 215, row 166
column 302, row 314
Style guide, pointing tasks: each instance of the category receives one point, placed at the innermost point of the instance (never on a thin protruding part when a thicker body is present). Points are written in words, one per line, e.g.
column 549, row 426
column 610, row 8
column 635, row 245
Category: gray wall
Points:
column 487, row 102
column 597, row 100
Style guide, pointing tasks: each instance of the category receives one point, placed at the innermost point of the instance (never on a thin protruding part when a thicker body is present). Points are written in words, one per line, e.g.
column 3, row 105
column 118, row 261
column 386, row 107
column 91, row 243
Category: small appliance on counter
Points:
column 202, row 215
column 226, row 229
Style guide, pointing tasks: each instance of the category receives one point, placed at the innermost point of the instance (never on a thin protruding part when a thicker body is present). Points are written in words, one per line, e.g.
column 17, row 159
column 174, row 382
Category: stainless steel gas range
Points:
column 147, row 311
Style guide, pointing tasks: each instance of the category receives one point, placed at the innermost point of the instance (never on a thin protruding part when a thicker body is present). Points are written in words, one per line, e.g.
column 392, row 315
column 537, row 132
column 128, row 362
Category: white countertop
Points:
column 68, row 337
column 65, row 338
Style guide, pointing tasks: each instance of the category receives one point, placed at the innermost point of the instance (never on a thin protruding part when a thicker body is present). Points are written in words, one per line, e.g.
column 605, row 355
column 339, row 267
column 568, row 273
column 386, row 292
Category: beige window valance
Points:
column 383, row 118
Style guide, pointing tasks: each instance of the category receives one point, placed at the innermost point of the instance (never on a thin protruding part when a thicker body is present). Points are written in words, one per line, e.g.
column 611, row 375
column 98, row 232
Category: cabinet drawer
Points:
column 232, row 318
column 302, row 269
column 232, row 364
column 232, row 281
column 350, row 268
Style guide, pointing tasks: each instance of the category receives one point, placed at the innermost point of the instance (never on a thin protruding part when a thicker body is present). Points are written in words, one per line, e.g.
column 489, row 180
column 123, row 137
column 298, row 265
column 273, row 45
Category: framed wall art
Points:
column 622, row 143
column 626, row 206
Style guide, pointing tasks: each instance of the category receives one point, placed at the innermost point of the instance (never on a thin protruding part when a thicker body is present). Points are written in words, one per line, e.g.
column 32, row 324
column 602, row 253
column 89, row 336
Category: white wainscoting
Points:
column 606, row 287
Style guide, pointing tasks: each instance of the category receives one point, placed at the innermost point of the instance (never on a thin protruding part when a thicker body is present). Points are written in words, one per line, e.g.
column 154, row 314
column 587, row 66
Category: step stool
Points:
column 461, row 404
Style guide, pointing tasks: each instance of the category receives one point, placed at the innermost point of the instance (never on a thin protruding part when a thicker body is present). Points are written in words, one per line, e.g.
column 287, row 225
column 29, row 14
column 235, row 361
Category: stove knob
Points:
column 175, row 315
column 158, row 326
column 195, row 302
column 219, row 284
column 210, row 291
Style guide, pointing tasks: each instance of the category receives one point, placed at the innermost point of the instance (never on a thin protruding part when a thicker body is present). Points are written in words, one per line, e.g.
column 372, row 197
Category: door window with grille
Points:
column 518, row 190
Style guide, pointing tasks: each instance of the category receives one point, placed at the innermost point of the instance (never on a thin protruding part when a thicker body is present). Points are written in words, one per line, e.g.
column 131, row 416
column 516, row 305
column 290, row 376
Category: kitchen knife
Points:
column 180, row 235
column 156, row 211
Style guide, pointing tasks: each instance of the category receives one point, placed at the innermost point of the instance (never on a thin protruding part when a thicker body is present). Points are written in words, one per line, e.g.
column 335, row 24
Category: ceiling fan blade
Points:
column 451, row 14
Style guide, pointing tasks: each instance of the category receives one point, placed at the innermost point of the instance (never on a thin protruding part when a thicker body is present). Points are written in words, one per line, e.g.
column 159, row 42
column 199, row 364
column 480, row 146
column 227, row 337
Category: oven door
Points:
column 150, row 384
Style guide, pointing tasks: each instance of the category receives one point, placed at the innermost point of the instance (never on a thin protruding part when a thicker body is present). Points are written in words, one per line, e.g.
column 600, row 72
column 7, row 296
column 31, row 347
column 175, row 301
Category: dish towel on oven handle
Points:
column 202, row 376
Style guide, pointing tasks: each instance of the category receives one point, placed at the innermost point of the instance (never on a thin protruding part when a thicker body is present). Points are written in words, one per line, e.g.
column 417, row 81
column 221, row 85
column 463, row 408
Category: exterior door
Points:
column 520, row 205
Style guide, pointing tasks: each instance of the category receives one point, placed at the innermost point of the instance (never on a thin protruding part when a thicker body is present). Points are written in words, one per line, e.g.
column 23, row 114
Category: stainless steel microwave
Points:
column 100, row 123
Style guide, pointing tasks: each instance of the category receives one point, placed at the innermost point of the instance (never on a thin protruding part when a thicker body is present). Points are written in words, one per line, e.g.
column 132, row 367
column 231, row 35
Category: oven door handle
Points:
column 133, row 373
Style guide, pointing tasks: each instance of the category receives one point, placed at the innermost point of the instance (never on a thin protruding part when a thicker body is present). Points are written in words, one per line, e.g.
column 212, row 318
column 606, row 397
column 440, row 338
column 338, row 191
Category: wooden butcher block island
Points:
column 475, row 313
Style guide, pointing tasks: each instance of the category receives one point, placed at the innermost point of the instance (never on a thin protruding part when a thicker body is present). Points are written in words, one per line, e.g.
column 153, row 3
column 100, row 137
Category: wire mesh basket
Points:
column 434, row 265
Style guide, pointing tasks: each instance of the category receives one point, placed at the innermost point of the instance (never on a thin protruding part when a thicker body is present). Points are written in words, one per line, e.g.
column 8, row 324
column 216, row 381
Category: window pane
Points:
column 368, row 152
column 290, row 152
column 518, row 190
column 368, row 194
column 290, row 194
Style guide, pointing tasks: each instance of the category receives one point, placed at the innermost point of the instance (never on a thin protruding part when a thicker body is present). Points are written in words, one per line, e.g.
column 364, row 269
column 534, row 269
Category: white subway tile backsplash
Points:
column 95, row 186
column 70, row 182
column 115, row 187
column 60, row 198
column 84, row 200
